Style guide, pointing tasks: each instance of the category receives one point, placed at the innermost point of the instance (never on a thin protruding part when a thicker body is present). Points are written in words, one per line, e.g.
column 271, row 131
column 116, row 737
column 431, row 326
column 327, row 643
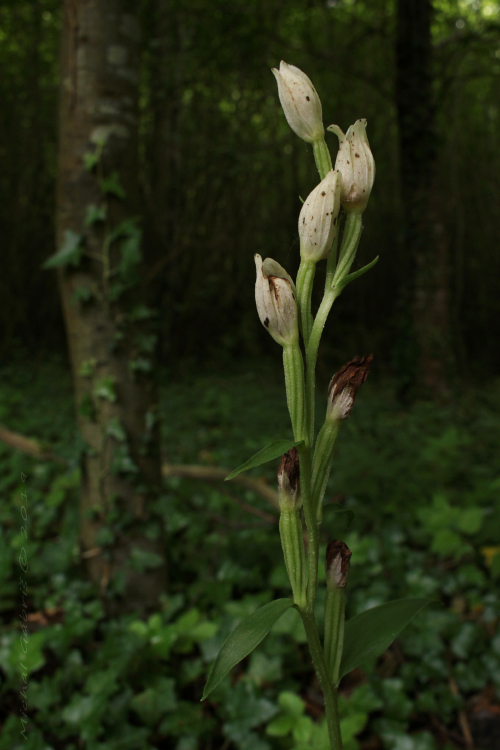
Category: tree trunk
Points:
column 424, row 304
column 108, row 325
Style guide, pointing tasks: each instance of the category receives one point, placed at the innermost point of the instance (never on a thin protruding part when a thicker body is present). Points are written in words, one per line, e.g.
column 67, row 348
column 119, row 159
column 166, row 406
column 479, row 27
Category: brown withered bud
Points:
column 345, row 384
column 338, row 557
column 289, row 480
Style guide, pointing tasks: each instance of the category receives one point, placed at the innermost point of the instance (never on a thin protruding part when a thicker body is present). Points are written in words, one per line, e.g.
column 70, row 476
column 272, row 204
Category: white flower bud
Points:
column 355, row 162
column 318, row 218
column 275, row 297
column 300, row 102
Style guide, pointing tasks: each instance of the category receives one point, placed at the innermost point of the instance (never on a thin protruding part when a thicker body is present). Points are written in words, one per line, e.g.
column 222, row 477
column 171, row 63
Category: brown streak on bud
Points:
column 347, row 381
column 290, row 466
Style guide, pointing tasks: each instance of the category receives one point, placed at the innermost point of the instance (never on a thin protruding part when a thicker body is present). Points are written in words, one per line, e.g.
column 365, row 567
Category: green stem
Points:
column 292, row 542
column 293, row 366
column 322, row 157
column 329, row 691
column 312, row 356
column 334, row 631
column 350, row 242
column 305, row 280
column 322, row 463
column 311, row 525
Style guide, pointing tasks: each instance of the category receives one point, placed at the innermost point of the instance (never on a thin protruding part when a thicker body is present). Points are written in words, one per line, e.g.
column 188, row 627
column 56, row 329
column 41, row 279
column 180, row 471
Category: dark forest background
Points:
column 221, row 172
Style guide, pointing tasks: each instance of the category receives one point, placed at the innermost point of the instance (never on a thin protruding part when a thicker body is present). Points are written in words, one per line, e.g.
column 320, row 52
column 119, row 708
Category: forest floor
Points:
column 423, row 484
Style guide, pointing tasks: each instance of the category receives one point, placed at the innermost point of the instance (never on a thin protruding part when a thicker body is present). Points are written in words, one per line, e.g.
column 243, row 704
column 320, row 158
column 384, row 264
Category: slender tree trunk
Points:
column 424, row 303
column 107, row 322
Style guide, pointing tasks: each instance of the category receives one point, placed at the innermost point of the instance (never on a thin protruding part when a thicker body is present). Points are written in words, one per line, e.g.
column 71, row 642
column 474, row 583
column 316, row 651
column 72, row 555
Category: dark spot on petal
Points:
column 357, row 156
column 266, row 322
column 308, row 99
column 323, row 193
column 334, row 221
column 348, row 162
column 364, row 191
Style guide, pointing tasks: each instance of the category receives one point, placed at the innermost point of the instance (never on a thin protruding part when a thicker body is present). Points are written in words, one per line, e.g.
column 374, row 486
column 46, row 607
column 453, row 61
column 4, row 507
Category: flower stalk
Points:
column 285, row 311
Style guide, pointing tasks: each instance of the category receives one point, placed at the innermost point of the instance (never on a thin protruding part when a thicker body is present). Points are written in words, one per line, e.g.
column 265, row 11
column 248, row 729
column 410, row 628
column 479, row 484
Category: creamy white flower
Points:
column 318, row 218
column 275, row 297
column 356, row 164
column 300, row 102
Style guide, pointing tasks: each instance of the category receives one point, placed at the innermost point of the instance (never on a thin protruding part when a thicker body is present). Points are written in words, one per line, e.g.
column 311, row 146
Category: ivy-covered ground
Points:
column 423, row 484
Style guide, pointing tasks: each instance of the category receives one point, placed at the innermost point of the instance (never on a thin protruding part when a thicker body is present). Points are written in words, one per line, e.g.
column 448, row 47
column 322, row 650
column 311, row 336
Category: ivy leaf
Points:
column 105, row 389
column 244, row 638
column 273, row 450
column 94, row 214
column 111, row 185
column 90, row 159
column 69, row 252
column 371, row 632
column 130, row 254
column 82, row 293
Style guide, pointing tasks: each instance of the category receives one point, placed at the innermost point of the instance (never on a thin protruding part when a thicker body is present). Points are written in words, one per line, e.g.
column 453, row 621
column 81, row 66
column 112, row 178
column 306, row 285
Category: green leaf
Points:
column 113, row 186
column 94, row 214
column 105, row 389
column 353, row 276
column 90, row 159
column 281, row 726
column 291, row 703
column 273, row 450
column 69, row 252
column 244, row 638
column 82, row 293
column 130, row 251
column 370, row 633
column 142, row 560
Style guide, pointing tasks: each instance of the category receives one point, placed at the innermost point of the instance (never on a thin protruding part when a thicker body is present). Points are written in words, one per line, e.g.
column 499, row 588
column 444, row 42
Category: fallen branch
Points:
column 216, row 474
column 32, row 447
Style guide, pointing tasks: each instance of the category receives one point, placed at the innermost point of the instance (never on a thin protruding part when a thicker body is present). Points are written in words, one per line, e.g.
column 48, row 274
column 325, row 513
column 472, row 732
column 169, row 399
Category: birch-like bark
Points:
column 99, row 99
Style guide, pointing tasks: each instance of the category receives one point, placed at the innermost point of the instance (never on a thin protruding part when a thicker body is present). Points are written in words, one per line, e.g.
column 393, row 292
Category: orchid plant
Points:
column 330, row 226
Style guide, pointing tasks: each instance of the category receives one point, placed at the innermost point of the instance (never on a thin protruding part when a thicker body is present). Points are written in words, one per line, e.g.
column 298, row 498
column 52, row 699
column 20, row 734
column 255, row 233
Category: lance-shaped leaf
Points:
column 273, row 450
column 340, row 286
column 371, row 632
column 244, row 638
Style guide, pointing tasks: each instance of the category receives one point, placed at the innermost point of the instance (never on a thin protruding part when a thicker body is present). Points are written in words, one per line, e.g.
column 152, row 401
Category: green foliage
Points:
column 103, row 682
